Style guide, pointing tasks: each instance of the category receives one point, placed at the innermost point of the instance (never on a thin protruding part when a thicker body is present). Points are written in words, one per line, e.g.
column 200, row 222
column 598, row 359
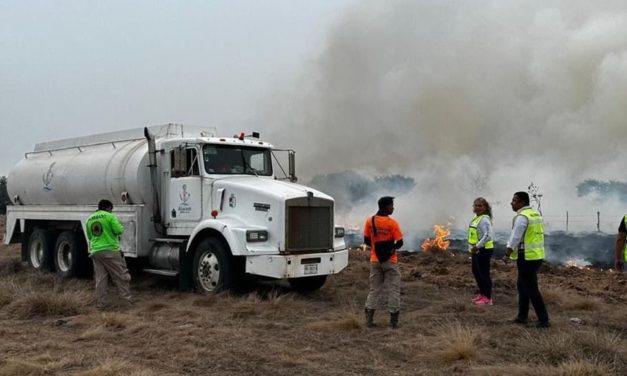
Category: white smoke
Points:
column 470, row 98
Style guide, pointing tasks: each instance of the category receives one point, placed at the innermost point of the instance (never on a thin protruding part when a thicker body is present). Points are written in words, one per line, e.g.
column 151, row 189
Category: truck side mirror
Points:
column 178, row 162
column 292, row 165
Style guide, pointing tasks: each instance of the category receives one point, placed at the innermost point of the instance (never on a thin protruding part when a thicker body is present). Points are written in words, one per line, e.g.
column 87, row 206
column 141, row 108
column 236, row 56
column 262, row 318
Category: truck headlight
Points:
column 339, row 232
column 256, row 236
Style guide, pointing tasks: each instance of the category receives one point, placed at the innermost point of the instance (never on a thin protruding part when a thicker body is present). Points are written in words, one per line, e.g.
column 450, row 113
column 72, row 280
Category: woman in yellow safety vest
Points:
column 481, row 247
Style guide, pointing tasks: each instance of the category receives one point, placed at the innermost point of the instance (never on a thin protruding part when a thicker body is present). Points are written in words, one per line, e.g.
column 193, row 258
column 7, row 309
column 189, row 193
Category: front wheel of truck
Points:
column 307, row 284
column 212, row 267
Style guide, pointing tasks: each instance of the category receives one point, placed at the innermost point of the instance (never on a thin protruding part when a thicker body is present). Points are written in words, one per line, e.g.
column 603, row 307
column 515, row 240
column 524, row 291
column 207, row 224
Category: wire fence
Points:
column 590, row 221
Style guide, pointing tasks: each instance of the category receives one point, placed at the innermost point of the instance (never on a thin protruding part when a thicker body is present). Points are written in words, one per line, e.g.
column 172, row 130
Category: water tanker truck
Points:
column 204, row 209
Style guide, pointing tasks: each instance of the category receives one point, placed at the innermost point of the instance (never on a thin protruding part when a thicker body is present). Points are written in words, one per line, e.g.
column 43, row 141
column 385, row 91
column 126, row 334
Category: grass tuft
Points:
column 584, row 303
column 115, row 320
column 347, row 323
column 582, row 368
column 10, row 267
column 32, row 304
column 114, row 368
column 457, row 342
column 39, row 365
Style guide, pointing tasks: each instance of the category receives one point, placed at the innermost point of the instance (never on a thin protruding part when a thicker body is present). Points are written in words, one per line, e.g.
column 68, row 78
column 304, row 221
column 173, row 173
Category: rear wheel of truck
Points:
column 69, row 255
column 307, row 284
column 213, row 266
column 40, row 247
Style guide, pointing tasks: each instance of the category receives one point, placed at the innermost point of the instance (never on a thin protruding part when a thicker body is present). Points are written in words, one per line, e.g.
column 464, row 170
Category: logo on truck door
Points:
column 232, row 201
column 184, row 195
column 47, row 177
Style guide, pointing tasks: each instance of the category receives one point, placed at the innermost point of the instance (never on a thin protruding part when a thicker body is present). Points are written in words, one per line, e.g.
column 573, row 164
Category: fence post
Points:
column 598, row 221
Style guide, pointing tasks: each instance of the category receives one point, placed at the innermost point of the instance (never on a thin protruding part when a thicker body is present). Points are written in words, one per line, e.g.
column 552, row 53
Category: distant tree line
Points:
column 602, row 190
column 350, row 188
column 4, row 196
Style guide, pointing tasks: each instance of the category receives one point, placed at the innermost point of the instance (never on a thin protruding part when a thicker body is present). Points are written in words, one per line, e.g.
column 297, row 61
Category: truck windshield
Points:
column 235, row 159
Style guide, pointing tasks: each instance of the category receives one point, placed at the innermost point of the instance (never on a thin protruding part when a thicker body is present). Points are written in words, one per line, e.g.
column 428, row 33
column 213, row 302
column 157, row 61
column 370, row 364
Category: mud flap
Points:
column 186, row 261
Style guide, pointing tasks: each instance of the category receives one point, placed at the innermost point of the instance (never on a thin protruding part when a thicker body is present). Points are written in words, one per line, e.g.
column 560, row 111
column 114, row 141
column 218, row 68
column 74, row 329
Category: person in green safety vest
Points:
column 526, row 247
column 103, row 232
column 481, row 247
column 620, row 255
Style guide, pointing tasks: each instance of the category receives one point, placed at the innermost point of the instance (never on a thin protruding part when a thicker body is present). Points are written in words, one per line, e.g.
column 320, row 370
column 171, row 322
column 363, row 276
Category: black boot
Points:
column 394, row 320
column 369, row 317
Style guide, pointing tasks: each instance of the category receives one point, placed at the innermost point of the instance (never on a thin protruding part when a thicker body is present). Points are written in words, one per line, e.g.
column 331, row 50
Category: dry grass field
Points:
column 49, row 326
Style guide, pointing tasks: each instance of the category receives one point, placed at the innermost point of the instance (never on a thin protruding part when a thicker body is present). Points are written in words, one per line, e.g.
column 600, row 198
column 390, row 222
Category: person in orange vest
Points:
column 383, row 234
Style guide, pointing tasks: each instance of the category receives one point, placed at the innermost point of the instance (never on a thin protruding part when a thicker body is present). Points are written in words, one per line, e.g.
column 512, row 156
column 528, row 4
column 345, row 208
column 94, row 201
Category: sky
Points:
column 73, row 68
column 469, row 98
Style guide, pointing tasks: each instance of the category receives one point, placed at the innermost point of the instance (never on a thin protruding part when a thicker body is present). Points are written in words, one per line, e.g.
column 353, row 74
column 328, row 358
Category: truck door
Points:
column 183, row 207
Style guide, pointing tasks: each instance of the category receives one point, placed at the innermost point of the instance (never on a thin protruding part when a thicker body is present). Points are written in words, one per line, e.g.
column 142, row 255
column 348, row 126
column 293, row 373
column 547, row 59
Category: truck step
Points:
column 168, row 240
column 167, row 273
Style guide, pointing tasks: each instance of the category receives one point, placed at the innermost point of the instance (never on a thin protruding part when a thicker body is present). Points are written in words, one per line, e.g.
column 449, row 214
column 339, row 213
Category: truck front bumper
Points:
column 296, row 266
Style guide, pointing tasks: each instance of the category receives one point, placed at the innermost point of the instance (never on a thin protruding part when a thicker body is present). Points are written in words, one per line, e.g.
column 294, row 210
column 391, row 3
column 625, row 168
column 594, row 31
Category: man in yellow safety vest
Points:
column 526, row 247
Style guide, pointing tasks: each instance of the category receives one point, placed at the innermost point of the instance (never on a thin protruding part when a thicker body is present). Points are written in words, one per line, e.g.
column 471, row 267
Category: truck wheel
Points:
column 40, row 246
column 69, row 254
column 307, row 284
column 212, row 268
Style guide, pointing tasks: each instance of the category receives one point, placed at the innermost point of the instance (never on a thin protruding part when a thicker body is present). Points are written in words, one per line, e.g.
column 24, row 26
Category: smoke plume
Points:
column 469, row 99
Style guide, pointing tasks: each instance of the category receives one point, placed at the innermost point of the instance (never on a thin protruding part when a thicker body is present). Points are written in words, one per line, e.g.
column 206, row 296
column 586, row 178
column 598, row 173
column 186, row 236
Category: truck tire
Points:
column 213, row 267
column 40, row 247
column 307, row 284
column 70, row 255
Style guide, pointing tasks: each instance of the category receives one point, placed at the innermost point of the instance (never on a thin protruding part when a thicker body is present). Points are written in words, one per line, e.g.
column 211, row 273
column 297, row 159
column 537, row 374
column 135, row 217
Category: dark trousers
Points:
column 481, row 271
column 528, row 289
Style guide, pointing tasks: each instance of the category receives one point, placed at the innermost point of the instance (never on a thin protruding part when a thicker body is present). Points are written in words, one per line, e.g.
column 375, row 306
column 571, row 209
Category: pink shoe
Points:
column 477, row 297
column 484, row 301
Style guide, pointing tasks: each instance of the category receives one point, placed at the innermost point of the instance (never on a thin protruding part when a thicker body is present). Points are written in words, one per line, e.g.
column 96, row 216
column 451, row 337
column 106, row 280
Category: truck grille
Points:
column 309, row 224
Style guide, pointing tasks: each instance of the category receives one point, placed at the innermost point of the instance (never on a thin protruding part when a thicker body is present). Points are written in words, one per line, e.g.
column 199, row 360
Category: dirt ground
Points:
column 50, row 326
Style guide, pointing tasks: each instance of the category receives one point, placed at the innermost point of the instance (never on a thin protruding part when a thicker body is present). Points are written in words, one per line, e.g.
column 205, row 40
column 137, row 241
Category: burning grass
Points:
column 439, row 242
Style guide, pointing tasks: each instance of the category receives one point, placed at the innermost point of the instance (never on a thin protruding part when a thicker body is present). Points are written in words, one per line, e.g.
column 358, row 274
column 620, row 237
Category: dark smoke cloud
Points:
column 469, row 98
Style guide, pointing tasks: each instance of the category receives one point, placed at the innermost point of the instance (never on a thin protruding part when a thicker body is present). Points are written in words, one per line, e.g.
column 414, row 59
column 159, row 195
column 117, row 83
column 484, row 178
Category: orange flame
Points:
column 438, row 242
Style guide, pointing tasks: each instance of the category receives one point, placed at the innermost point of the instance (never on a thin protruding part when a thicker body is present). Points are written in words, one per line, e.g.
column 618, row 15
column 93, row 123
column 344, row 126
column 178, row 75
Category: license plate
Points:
column 311, row 269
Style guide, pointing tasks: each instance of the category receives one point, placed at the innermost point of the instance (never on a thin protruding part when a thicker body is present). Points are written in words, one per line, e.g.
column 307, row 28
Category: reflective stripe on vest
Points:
column 625, row 250
column 533, row 240
column 473, row 236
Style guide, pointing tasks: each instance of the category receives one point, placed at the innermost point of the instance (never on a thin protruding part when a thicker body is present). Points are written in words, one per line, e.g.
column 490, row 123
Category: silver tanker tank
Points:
column 81, row 171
